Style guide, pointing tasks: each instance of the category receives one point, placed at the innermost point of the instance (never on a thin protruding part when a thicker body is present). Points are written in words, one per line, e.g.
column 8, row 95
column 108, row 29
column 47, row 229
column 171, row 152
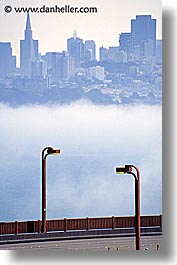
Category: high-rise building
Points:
column 148, row 48
column 28, row 50
column 75, row 48
column 126, row 42
column 7, row 60
column 89, row 50
column 143, row 30
column 38, row 69
column 159, row 51
column 68, row 66
column 112, row 53
column 103, row 53
column 60, row 66
column 54, row 64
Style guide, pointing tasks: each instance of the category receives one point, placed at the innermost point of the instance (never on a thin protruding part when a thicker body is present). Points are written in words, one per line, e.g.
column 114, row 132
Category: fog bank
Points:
column 82, row 180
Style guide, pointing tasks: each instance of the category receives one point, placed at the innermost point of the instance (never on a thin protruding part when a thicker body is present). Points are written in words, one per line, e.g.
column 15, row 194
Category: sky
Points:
column 52, row 29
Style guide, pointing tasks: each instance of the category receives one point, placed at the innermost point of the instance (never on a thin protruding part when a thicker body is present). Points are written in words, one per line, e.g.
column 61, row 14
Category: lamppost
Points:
column 127, row 169
column 45, row 152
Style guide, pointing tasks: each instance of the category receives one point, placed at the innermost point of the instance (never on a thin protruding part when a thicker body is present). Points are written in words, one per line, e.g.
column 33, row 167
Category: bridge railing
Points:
column 88, row 223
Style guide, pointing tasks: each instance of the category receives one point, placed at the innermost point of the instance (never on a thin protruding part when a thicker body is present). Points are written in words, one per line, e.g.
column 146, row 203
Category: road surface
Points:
column 110, row 244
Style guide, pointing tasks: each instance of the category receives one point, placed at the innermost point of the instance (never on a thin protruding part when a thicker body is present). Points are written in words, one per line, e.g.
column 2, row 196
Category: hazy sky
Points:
column 52, row 29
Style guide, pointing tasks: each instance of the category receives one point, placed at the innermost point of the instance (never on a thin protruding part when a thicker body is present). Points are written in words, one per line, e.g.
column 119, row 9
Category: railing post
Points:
column 161, row 221
column 16, row 227
column 113, row 222
column 39, row 226
column 87, row 223
column 65, row 225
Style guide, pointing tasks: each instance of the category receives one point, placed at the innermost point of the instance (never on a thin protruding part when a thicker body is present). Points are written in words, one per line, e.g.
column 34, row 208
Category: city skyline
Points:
column 65, row 24
column 28, row 34
column 137, row 56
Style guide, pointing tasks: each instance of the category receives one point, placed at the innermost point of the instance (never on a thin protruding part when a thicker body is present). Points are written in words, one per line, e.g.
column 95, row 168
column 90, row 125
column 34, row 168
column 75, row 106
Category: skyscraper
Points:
column 75, row 48
column 67, row 66
column 159, row 51
column 28, row 50
column 143, row 29
column 89, row 50
column 103, row 53
column 60, row 66
column 126, row 42
column 7, row 60
column 53, row 62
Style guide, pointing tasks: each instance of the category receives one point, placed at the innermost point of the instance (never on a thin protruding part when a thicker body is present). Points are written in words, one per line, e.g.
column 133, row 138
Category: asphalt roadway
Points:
column 110, row 244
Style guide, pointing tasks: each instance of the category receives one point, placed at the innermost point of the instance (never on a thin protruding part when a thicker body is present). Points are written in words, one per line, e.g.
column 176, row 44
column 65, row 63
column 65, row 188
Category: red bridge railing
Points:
column 20, row 227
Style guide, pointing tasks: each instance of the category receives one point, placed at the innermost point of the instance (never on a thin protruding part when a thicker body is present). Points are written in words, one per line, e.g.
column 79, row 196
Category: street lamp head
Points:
column 52, row 151
column 123, row 170
column 49, row 151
